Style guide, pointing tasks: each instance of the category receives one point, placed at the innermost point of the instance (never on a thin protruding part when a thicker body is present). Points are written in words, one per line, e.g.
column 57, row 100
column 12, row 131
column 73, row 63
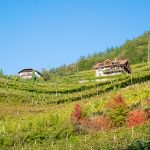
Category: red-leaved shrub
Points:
column 76, row 114
column 81, row 123
column 117, row 115
column 96, row 124
column 136, row 117
column 116, row 102
column 100, row 123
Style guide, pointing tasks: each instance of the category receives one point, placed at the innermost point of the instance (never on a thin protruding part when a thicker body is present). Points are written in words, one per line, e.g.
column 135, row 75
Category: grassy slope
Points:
column 37, row 126
column 30, row 124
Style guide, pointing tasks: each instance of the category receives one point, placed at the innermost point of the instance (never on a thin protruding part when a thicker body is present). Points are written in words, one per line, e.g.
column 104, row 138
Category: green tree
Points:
column 34, row 77
column 46, row 75
column 1, row 72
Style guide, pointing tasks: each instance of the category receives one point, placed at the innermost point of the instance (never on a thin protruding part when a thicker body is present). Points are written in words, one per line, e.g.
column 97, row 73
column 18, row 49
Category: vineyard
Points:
column 13, row 90
column 36, row 114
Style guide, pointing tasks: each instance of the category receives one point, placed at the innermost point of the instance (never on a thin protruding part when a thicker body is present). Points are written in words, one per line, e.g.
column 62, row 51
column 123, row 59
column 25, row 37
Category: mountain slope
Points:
column 29, row 122
column 134, row 50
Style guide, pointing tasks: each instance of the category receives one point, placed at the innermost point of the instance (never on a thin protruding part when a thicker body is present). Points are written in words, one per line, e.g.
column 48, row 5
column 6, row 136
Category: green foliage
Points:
column 1, row 72
column 34, row 77
column 139, row 145
column 134, row 50
column 31, row 122
column 117, row 111
column 46, row 75
column 16, row 90
column 32, row 118
column 118, row 116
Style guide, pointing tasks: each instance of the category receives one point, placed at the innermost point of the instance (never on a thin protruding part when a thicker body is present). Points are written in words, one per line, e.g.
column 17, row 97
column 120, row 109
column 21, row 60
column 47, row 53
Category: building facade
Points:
column 29, row 73
column 109, row 67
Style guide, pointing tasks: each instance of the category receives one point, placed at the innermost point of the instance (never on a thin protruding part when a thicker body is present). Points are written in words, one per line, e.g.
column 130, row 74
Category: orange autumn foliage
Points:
column 136, row 117
column 76, row 114
column 96, row 124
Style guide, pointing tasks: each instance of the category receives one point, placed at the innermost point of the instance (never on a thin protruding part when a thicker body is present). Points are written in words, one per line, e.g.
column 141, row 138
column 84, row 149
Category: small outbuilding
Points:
column 29, row 73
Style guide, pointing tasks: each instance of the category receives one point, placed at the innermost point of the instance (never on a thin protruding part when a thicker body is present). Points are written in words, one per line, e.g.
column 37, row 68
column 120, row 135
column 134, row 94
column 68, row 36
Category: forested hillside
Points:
column 134, row 50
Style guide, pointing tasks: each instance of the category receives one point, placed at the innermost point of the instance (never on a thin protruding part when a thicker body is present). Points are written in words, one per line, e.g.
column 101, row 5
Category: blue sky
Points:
column 49, row 33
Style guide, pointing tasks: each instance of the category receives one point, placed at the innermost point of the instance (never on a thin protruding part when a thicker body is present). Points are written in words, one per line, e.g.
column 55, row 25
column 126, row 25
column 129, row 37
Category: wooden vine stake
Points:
column 4, row 129
column 70, row 147
column 67, row 137
column 52, row 144
column 101, row 100
column 59, row 116
column 32, row 101
column 114, row 138
column 85, row 139
column 19, row 127
column 132, row 131
column 81, row 94
column 35, row 142
column 14, row 145
column 97, row 89
column 36, row 103
column 131, row 78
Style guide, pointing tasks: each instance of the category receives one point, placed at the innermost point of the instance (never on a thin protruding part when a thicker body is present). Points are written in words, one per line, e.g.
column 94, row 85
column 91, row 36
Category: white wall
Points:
column 28, row 75
column 100, row 72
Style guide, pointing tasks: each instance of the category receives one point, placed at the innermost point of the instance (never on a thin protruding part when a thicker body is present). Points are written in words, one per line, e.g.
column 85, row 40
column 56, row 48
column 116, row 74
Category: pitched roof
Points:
column 109, row 62
column 122, row 62
column 29, row 70
column 97, row 65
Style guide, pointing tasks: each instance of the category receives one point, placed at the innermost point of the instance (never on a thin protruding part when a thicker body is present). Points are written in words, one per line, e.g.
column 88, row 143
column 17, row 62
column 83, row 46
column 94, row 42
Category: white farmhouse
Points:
column 109, row 67
column 28, row 73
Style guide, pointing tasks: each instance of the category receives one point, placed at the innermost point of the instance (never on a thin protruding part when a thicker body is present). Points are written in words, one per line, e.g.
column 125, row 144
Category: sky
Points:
column 49, row 33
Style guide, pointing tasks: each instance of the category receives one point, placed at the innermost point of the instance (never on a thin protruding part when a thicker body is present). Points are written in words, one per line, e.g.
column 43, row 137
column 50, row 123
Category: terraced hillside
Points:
column 36, row 115
column 15, row 90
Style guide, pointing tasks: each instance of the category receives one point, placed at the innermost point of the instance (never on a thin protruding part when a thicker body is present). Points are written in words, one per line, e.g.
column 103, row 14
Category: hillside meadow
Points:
column 43, row 115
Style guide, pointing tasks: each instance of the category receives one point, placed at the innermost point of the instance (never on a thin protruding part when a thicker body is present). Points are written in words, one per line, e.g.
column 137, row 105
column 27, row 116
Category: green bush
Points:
column 118, row 116
column 117, row 111
column 139, row 145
